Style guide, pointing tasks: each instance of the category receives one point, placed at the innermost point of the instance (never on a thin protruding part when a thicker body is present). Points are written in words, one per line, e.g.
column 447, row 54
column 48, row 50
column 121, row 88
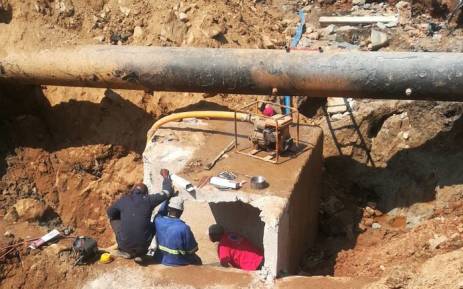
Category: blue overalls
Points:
column 176, row 242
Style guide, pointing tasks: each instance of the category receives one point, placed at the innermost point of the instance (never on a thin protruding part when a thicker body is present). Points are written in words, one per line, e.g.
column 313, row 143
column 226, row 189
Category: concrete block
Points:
column 280, row 219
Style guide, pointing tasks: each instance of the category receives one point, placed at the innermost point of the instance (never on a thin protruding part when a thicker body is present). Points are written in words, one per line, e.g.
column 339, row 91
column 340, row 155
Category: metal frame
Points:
column 255, row 114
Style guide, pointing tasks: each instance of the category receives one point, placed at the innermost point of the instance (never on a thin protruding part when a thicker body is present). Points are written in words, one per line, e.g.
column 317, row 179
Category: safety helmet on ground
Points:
column 106, row 258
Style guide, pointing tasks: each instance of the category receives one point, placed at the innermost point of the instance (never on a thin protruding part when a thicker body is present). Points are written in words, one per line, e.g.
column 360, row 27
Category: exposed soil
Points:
column 392, row 186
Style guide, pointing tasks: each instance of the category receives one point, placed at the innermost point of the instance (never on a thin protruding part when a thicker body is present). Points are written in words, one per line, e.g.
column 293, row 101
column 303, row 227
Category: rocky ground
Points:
column 392, row 187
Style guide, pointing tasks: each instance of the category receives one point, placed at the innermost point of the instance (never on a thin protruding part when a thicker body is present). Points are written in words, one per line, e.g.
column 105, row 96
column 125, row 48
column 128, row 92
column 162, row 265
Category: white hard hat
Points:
column 176, row 203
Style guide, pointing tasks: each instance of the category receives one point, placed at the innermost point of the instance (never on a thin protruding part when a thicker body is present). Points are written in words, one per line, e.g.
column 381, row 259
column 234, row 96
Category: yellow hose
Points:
column 196, row 114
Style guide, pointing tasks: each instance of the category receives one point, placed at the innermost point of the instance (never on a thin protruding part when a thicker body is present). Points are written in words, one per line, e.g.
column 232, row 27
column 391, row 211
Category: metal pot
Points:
column 258, row 182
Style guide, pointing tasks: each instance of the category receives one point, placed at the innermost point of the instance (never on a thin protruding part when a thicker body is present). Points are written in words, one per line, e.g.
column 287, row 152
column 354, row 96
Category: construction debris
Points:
column 30, row 209
column 183, row 17
column 182, row 183
column 356, row 20
column 65, row 7
column 11, row 216
column 437, row 241
column 45, row 238
column 138, row 34
column 330, row 29
column 378, row 39
column 358, row 2
column 224, row 183
column 224, row 151
column 404, row 10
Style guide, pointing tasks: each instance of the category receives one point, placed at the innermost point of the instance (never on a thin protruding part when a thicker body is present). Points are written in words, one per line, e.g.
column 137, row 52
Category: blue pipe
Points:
column 294, row 42
column 288, row 104
column 299, row 29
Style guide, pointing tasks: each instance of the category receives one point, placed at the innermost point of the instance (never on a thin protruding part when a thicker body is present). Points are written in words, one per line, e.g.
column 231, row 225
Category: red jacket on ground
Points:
column 237, row 251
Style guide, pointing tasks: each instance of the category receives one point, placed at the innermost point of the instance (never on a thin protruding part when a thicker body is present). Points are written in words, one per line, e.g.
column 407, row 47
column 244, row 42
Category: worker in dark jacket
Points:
column 130, row 218
column 176, row 243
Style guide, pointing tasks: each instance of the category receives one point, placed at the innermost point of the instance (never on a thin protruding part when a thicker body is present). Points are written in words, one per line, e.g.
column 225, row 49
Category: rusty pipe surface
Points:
column 385, row 75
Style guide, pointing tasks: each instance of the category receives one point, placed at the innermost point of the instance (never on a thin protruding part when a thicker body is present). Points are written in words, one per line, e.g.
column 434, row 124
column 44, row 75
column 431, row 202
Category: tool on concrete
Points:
column 224, row 183
column 203, row 181
column 227, row 175
column 258, row 182
column 381, row 75
column 219, row 156
column 184, row 184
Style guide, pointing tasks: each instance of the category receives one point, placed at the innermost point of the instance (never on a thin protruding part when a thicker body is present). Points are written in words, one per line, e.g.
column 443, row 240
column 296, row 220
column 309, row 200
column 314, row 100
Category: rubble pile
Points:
column 405, row 32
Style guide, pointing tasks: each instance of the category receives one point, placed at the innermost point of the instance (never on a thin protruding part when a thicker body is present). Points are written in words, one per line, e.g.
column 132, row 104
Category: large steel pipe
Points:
column 394, row 75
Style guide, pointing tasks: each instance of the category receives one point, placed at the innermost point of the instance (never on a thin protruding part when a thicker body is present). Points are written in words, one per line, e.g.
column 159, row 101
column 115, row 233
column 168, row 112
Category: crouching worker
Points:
column 130, row 218
column 235, row 250
column 176, row 243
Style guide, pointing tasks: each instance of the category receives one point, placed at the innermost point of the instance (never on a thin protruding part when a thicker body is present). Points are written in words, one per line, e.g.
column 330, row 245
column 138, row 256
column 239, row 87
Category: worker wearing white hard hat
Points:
column 176, row 203
column 176, row 243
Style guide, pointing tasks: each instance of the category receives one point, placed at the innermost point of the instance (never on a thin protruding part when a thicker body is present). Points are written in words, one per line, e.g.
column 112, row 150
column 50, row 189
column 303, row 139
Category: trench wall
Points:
column 303, row 209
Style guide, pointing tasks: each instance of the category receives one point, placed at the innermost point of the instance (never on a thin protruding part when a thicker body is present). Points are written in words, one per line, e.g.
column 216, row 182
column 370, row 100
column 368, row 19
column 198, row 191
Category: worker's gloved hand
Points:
column 165, row 173
column 167, row 186
column 167, row 182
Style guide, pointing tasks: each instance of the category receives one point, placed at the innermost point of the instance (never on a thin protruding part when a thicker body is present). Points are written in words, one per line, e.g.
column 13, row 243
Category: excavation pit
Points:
column 281, row 219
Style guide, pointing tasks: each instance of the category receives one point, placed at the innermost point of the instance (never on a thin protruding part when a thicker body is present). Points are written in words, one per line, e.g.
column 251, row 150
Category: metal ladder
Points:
column 342, row 108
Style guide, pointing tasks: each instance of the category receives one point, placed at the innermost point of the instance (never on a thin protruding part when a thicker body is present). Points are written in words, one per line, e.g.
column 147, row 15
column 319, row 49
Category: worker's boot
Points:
column 138, row 260
column 121, row 254
column 141, row 260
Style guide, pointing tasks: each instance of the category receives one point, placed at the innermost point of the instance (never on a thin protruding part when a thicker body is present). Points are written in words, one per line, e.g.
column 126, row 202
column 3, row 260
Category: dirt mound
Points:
column 392, row 184
column 73, row 156
column 443, row 271
column 46, row 23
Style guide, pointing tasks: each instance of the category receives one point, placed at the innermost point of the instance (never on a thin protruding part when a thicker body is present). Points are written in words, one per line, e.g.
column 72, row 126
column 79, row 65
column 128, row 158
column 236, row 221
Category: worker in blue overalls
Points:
column 176, row 243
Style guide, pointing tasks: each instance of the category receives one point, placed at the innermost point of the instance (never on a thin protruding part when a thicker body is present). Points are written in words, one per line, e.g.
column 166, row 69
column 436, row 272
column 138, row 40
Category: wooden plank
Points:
column 253, row 152
column 269, row 158
column 356, row 20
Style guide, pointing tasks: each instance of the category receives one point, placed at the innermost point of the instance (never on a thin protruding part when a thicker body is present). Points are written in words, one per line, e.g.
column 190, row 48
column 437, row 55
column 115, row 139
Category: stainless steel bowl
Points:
column 258, row 182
